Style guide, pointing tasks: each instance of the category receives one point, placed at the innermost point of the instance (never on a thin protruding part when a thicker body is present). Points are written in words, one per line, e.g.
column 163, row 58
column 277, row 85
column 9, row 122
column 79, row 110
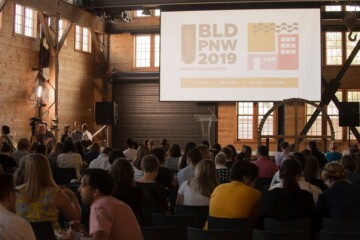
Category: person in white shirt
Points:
column 197, row 191
column 86, row 134
column 11, row 226
column 285, row 151
column 130, row 152
column 102, row 161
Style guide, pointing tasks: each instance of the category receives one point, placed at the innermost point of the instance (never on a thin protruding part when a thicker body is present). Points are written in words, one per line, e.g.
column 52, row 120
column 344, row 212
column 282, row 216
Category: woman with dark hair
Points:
column 312, row 173
column 54, row 154
column 234, row 152
column 239, row 198
column 164, row 176
column 94, row 152
column 70, row 158
column 342, row 199
column 22, row 150
column 247, row 153
column 124, row 189
column 348, row 162
column 172, row 161
column 287, row 201
column 80, row 150
column 183, row 159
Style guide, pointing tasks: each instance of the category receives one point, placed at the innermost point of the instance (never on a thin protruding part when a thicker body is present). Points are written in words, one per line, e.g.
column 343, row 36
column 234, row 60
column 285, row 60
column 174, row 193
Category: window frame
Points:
column 22, row 25
column 255, row 121
column 152, row 66
column 81, row 43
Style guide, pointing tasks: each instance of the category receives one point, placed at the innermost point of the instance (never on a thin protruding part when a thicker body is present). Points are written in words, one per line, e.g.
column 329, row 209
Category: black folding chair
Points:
column 158, row 233
column 243, row 225
column 43, row 230
column 200, row 212
column 271, row 235
column 199, row 234
column 325, row 235
column 341, row 225
column 63, row 176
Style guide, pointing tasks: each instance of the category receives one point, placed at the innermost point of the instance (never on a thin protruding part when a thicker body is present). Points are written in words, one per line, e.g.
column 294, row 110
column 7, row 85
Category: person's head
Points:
column 94, row 183
column 69, row 146
column 159, row 153
column 5, row 129
column 244, row 171
column 122, row 172
column 33, row 147
column 150, row 164
column 216, row 148
column 164, row 142
column 66, row 128
column 129, row 143
column 348, row 162
column 194, row 156
column 312, row 146
column 247, row 150
column 333, row 172
column 77, row 125
column 228, row 152
column 114, row 154
column 188, row 147
column 79, row 148
column 107, row 150
column 263, row 151
column 175, row 150
column 206, row 143
column 306, row 152
column 233, row 150
column 290, row 172
column 5, row 147
column 41, row 149
column 285, row 146
column 37, row 175
column 333, row 146
column 301, row 158
column 205, row 152
column 240, row 156
column 220, row 158
column 151, row 143
column 84, row 127
column 23, row 144
column 354, row 148
column 206, row 177
column 312, row 168
column 7, row 192
column 141, row 152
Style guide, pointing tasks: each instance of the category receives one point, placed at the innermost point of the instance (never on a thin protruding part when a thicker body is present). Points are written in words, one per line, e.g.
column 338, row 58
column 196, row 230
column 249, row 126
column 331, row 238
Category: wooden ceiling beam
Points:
column 67, row 11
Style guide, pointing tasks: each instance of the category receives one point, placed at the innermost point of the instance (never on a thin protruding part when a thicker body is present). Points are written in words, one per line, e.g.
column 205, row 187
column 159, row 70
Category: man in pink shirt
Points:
column 267, row 168
column 110, row 218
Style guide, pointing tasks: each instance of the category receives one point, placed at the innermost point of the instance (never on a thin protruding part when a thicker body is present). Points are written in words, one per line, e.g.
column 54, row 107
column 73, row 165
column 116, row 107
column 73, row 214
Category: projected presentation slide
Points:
column 240, row 55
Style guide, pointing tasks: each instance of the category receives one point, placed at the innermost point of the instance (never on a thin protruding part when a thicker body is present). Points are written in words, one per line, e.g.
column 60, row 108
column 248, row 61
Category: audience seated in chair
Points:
column 194, row 156
column 222, row 171
column 267, row 168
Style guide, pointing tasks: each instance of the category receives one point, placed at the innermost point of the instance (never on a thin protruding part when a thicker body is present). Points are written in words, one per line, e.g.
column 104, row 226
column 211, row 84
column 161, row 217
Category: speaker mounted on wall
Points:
column 106, row 113
column 349, row 114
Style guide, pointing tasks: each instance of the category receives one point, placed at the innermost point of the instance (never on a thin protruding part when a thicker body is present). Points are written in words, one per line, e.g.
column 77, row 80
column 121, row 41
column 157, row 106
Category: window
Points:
column 147, row 51
column 249, row 116
column 333, row 8
column 333, row 114
column 350, row 46
column 315, row 129
column 147, row 13
column 333, row 46
column 25, row 21
column 1, row 19
column 82, row 39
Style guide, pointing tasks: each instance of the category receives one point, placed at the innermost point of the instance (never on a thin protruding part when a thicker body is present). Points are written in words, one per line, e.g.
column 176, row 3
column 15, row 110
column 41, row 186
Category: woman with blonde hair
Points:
column 141, row 152
column 342, row 199
column 40, row 199
column 197, row 191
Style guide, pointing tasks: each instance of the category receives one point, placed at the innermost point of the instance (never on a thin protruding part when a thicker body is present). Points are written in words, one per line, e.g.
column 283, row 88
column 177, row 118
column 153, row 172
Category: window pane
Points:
column 315, row 129
column 333, row 114
column 268, row 127
column 142, row 51
column 245, row 108
column 157, row 51
column 18, row 18
column 245, row 127
column 350, row 46
column 157, row 12
column 333, row 48
column 78, row 33
column 353, row 8
column 333, row 8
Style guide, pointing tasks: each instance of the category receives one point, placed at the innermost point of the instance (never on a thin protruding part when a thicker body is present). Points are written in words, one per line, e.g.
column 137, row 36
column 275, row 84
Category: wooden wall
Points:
column 18, row 55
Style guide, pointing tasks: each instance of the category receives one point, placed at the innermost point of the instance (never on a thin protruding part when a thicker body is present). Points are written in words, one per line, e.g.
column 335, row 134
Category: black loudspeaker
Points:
column 106, row 113
column 349, row 114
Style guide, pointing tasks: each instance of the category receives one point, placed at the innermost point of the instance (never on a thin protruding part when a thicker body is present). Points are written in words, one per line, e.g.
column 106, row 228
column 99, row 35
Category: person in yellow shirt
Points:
column 239, row 198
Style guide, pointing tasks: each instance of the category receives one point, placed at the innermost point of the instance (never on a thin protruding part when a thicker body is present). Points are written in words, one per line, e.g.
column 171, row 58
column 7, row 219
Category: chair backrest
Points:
column 200, row 212
column 199, row 234
column 341, row 225
column 263, row 184
column 243, row 225
column 271, row 224
column 158, row 233
column 43, row 230
column 270, row 235
column 180, row 222
column 325, row 235
column 65, row 175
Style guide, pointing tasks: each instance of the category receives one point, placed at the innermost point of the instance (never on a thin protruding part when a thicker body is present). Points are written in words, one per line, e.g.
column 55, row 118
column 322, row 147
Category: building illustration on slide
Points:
column 273, row 47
